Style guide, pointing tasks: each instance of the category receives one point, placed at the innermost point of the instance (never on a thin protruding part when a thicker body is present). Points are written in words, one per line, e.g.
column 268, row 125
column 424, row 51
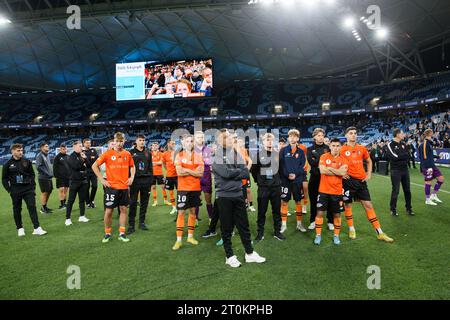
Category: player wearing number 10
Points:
column 189, row 166
column 120, row 172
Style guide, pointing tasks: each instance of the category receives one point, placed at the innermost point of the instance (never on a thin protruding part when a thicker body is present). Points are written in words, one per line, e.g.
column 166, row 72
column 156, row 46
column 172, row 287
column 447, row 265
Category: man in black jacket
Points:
column 229, row 169
column 142, row 183
column 398, row 154
column 18, row 178
column 61, row 171
column 78, row 182
column 91, row 157
column 313, row 155
column 265, row 173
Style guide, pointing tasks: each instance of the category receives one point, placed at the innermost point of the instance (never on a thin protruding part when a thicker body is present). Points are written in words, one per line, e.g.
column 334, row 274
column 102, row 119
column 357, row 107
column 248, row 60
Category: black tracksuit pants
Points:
column 313, row 190
column 144, row 190
column 400, row 177
column 29, row 196
column 214, row 218
column 80, row 188
column 270, row 194
column 92, row 186
column 232, row 213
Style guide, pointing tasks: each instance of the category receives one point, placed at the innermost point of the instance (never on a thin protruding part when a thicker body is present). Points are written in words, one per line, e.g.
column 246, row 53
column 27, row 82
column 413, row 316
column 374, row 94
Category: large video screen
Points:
column 166, row 80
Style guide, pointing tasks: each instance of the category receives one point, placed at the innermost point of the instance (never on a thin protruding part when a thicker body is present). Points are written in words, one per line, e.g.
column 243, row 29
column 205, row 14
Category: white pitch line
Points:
column 414, row 184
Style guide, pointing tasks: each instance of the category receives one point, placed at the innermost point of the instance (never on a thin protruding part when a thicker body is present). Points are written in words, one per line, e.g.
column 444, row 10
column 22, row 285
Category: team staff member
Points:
column 246, row 183
column 397, row 154
column 355, row 184
column 189, row 166
column 332, row 168
column 292, row 170
column 19, row 181
column 318, row 149
column 120, row 173
column 229, row 170
column 265, row 173
column 141, row 185
column 91, row 157
column 61, row 171
column 158, row 177
column 78, row 182
column 45, row 170
column 171, row 173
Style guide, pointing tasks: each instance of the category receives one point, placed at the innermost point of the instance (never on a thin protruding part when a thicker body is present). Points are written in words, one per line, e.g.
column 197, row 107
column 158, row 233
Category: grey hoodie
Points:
column 44, row 166
column 229, row 170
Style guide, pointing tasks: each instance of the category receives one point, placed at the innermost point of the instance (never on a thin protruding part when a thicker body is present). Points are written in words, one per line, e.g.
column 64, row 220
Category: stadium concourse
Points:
column 151, row 150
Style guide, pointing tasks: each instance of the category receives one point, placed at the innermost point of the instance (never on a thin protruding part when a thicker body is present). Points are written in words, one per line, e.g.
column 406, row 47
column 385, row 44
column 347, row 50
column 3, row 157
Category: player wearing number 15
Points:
column 120, row 172
column 189, row 166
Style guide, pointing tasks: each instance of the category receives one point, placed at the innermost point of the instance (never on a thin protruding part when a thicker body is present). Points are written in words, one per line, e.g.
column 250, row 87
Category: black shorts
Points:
column 114, row 198
column 46, row 186
column 158, row 180
column 292, row 190
column 332, row 203
column 171, row 183
column 188, row 199
column 62, row 183
column 355, row 190
column 305, row 176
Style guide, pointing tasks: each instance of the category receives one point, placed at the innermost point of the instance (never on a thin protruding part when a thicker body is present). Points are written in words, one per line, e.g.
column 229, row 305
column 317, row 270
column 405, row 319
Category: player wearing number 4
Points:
column 189, row 166
column 332, row 168
column 355, row 184
column 120, row 173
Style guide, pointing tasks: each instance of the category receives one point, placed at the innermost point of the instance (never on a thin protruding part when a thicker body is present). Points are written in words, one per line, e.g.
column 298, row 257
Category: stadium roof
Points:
column 247, row 41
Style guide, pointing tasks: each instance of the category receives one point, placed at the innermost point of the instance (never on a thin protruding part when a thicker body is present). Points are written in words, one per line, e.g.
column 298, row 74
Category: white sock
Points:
column 379, row 231
column 351, row 228
column 190, row 236
column 284, row 223
column 179, row 239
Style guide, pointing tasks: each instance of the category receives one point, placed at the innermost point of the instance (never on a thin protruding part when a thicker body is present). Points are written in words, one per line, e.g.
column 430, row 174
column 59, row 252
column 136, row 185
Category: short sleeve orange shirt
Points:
column 331, row 184
column 355, row 157
column 117, row 166
column 192, row 162
column 168, row 158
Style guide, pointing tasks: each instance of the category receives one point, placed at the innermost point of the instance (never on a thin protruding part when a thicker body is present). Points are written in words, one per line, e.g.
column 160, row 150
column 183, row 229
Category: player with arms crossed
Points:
column 355, row 184
column 120, row 173
column 332, row 168
column 171, row 173
column 189, row 166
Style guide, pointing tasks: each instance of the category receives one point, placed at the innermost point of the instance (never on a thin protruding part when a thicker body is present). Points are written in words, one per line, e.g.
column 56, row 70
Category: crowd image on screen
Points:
column 179, row 79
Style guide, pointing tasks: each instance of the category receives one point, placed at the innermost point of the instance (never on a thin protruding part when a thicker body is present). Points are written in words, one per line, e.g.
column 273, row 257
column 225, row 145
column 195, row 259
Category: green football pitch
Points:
column 416, row 266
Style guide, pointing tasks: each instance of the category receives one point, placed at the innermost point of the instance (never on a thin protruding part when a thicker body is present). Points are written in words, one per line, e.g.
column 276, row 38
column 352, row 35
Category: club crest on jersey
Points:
column 348, row 153
column 113, row 158
column 328, row 161
column 184, row 160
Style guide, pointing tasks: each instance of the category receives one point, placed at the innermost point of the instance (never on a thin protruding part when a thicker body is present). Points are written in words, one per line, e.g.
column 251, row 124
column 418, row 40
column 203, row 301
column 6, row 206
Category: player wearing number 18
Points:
column 120, row 173
column 189, row 166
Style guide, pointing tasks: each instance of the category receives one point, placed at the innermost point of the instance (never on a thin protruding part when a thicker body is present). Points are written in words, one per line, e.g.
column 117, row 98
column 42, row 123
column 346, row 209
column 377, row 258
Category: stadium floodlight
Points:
column 278, row 108
column 382, row 33
column 4, row 20
column 38, row 119
column 349, row 22
column 375, row 101
column 93, row 116
column 214, row 111
column 326, row 106
column 152, row 114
